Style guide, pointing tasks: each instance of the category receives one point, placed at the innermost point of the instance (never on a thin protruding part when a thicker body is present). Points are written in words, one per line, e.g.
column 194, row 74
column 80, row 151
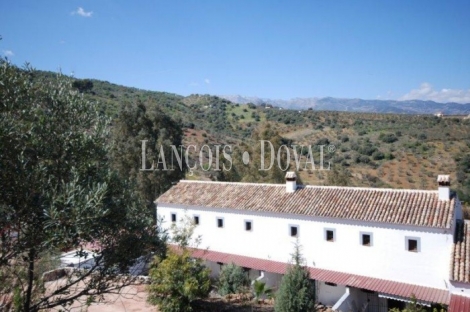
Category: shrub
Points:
column 323, row 141
column 362, row 159
column 388, row 137
column 367, row 150
column 297, row 290
column 177, row 281
column 261, row 290
column 232, row 279
column 378, row 155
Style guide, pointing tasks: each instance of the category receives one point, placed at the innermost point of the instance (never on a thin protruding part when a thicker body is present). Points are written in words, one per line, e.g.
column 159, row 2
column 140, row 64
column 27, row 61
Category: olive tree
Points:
column 58, row 193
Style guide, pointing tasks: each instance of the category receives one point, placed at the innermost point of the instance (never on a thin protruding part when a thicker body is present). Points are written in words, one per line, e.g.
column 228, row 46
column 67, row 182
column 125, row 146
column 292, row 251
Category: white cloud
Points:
column 207, row 81
column 426, row 92
column 80, row 11
column 8, row 53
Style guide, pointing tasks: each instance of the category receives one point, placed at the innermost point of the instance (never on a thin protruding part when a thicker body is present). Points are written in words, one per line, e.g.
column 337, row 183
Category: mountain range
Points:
column 358, row 105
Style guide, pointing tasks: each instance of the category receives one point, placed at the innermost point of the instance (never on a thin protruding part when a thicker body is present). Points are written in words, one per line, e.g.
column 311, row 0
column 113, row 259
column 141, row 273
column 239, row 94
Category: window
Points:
column 413, row 244
column 330, row 235
column 294, row 230
column 196, row 220
column 331, row 284
column 248, row 225
column 366, row 239
column 173, row 217
column 220, row 222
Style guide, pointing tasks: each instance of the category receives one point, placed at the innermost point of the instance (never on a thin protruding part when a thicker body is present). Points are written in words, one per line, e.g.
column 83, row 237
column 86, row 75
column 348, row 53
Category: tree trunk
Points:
column 29, row 290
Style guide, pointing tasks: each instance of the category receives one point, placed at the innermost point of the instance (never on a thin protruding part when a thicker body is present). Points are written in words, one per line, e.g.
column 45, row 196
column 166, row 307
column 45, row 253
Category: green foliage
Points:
column 378, row 155
column 177, row 281
column 339, row 177
column 388, row 137
column 297, row 290
column 57, row 192
column 182, row 233
column 136, row 123
column 232, row 279
column 261, row 290
column 85, row 85
column 251, row 172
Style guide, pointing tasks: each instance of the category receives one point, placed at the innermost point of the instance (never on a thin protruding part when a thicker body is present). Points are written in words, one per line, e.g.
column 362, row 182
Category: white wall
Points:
column 461, row 289
column 269, row 239
column 329, row 295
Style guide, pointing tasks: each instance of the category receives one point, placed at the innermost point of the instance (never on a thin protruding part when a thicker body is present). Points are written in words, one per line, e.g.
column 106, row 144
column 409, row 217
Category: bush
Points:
column 297, row 290
column 177, row 281
column 388, row 137
column 422, row 136
column 367, row 150
column 378, row 155
column 362, row 159
column 232, row 279
column 323, row 141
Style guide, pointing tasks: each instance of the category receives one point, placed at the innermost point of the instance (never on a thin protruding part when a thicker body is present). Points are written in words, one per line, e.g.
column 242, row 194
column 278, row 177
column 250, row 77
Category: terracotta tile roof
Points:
column 460, row 266
column 459, row 304
column 410, row 207
column 422, row 293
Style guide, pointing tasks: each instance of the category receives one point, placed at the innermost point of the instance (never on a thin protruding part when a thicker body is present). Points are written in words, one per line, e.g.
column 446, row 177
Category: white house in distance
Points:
column 367, row 249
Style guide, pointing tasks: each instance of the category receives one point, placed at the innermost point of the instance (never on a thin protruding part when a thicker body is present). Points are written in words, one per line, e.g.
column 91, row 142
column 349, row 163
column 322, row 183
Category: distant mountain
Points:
column 359, row 105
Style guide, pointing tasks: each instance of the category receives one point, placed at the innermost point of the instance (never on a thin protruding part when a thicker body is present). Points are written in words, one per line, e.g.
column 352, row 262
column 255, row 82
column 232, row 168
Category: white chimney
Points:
column 444, row 187
column 291, row 182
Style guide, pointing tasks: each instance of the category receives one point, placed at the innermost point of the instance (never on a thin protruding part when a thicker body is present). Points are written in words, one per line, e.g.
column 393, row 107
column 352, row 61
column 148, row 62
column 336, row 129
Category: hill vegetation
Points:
column 365, row 149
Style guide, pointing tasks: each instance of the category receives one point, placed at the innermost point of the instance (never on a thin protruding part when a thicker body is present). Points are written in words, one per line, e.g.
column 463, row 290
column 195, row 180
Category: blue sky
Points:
column 274, row 49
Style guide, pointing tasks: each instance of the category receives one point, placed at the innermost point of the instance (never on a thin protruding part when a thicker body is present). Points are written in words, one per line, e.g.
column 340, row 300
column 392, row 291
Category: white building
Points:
column 76, row 259
column 366, row 248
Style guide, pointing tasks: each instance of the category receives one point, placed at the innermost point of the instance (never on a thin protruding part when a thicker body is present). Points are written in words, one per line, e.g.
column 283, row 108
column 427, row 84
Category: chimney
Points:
column 444, row 187
column 291, row 182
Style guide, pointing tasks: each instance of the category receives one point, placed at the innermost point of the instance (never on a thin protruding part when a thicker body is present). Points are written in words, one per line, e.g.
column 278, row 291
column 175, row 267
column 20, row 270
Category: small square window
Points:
column 248, row 225
column 220, row 222
column 196, row 220
column 330, row 235
column 173, row 217
column 294, row 231
column 366, row 240
column 412, row 245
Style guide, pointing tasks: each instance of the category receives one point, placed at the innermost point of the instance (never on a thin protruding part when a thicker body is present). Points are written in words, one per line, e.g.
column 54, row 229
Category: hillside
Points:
column 373, row 149
column 359, row 105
